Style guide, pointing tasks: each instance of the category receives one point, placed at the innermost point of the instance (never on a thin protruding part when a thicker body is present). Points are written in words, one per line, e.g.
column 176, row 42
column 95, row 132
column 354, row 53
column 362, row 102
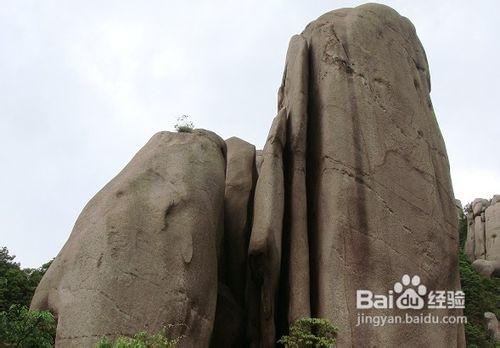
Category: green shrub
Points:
column 140, row 340
column 20, row 327
column 184, row 125
column 481, row 295
column 17, row 285
column 462, row 230
column 310, row 332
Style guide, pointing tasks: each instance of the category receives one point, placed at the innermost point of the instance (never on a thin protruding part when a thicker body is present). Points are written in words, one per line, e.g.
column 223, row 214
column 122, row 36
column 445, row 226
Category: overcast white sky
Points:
column 84, row 84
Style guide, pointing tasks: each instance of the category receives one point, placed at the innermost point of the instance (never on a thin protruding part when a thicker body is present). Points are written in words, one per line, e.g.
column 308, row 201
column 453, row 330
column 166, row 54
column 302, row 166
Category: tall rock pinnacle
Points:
column 351, row 192
column 364, row 150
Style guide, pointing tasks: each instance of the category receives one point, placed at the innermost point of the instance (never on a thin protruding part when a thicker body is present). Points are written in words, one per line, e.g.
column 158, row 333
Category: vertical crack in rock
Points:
column 241, row 175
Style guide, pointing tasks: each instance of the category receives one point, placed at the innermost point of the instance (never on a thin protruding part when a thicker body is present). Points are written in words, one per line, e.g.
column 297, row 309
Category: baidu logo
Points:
column 410, row 293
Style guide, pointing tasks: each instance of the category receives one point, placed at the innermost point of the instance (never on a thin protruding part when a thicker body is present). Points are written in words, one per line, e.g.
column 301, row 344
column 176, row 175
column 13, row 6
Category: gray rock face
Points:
column 487, row 268
column 479, row 237
column 495, row 199
column 143, row 252
column 380, row 194
column 379, row 199
column 492, row 326
column 470, row 240
column 241, row 176
column 492, row 232
column 293, row 101
column 265, row 241
column 351, row 191
column 258, row 160
column 483, row 230
column 479, row 205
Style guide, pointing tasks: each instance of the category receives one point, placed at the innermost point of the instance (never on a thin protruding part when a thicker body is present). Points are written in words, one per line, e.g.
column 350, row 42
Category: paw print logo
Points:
column 411, row 293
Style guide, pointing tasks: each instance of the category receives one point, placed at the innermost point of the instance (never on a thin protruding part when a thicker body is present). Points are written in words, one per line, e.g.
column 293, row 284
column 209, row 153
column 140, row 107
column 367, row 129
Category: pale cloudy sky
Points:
column 84, row 84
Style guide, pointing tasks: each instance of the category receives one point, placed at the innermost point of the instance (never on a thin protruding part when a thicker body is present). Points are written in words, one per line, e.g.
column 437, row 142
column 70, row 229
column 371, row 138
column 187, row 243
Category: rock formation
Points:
column 487, row 268
column 379, row 195
column 258, row 160
column 351, row 191
column 264, row 251
column 483, row 230
column 492, row 326
column 241, row 176
column 143, row 252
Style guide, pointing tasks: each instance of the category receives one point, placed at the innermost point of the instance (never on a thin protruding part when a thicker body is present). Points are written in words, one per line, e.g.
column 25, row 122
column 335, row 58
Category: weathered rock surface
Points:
column 483, row 229
column 143, row 252
column 469, row 247
column 492, row 326
column 241, row 176
column 487, row 268
column 265, row 241
column 495, row 199
column 479, row 237
column 479, row 205
column 258, row 160
column 492, row 231
column 351, row 191
column 293, row 100
column 380, row 201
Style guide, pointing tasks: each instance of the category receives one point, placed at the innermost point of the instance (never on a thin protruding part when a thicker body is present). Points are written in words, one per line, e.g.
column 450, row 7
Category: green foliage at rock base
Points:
column 17, row 285
column 20, row 327
column 141, row 340
column 310, row 332
column 481, row 295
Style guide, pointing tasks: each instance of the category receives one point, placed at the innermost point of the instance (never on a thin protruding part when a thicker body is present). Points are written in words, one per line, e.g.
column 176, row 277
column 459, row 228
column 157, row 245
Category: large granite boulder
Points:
column 479, row 205
column 492, row 326
column 487, row 268
column 362, row 133
column 495, row 199
column 258, row 160
column 351, row 191
column 483, row 230
column 143, row 252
